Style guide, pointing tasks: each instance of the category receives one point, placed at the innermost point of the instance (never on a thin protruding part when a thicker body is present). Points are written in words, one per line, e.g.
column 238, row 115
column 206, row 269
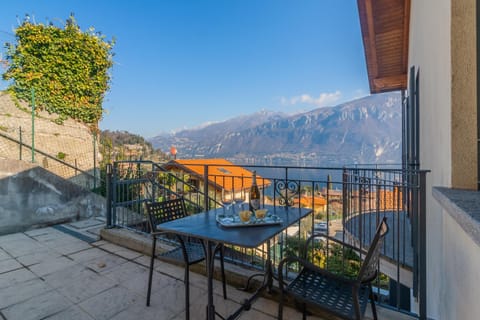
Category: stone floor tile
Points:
column 105, row 263
column 143, row 260
column 79, row 283
column 110, row 247
column 87, row 254
column 13, row 278
column 105, row 305
column 99, row 243
column 50, row 266
column 172, row 296
column 50, row 235
column 68, row 247
column 4, row 255
column 71, row 313
column 9, row 265
column 78, row 289
column 38, row 256
column 23, row 246
column 138, row 310
column 23, row 291
column 38, row 307
column 128, row 254
column 135, row 277
column 62, row 276
column 170, row 269
column 38, row 232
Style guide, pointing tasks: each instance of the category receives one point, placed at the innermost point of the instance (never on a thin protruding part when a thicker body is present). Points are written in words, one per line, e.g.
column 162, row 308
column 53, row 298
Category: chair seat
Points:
column 327, row 293
column 195, row 253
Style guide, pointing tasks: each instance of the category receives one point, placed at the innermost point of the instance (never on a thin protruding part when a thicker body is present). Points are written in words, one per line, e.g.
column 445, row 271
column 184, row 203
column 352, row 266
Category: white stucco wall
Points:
column 429, row 52
column 460, row 278
column 453, row 258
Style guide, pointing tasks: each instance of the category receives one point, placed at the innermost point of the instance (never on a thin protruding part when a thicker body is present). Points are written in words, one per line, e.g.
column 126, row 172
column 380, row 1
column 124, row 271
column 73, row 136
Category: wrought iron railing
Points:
column 347, row 201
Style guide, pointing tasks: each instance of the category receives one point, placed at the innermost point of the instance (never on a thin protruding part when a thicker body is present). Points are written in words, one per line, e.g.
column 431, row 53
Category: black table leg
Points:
column 210, row 260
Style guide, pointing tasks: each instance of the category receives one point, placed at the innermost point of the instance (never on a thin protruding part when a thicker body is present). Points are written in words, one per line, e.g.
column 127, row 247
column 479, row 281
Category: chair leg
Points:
column 187, row 291
column 304, row 311
column 372, row 302
column 151, row 271
column 280, row 307
column 224, row 285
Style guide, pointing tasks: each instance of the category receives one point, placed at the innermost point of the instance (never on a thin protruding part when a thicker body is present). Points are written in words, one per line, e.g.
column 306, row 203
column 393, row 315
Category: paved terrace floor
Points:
column 50, row 274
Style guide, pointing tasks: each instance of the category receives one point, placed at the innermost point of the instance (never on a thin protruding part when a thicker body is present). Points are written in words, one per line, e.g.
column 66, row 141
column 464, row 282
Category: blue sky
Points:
column 183, row 63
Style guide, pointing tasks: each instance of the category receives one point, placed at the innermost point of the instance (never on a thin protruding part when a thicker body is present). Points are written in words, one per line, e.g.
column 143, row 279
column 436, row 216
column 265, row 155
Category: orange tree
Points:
column 68, row 69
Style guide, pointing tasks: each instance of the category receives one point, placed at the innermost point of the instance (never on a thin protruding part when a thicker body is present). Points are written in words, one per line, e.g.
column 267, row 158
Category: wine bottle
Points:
column 254, row 202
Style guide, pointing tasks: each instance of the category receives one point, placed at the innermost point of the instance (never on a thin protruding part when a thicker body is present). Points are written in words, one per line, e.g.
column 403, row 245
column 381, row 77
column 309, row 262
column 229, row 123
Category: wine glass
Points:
column 227, row 200
column 239, row 198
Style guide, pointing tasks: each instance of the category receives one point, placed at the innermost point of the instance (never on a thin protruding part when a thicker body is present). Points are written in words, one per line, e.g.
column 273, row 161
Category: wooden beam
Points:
column 368, row 31
column 397, row 82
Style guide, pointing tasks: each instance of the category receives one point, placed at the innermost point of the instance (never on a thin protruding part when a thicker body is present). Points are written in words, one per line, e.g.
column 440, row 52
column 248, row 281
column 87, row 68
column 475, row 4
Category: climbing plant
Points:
column 67, row 67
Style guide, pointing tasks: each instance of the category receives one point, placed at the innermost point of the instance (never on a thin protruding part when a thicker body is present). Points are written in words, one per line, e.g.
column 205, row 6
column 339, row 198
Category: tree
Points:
column 67, row 68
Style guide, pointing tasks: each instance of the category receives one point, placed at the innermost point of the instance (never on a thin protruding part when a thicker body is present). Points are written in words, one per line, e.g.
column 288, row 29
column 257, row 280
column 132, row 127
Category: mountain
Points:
column 366, row 130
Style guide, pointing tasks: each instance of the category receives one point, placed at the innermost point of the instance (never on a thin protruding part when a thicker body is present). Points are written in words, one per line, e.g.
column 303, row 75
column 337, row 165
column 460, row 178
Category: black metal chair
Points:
column 341, row 296
column 189, row 250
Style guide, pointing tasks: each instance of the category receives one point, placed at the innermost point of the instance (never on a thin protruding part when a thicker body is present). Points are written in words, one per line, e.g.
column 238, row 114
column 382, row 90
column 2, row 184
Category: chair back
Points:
column 368, row 270
column 164, row 211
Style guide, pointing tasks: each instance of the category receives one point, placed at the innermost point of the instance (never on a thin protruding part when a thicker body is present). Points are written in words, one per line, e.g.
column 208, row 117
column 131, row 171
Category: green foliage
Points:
column 113, row 146
column 61, row 155
column 119, row 138
column 67, row 68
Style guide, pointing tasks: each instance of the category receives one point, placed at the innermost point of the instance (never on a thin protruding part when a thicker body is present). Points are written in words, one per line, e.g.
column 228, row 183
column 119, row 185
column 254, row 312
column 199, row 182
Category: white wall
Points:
column 453, row 258
column 429, row 52
column 460, row 278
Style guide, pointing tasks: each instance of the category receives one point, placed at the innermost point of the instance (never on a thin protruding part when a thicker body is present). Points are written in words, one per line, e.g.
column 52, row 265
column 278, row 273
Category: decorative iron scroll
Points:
column 287, row 191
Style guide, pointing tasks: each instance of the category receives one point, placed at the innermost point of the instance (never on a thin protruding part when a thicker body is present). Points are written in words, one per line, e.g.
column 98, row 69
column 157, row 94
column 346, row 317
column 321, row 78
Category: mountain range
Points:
column 363, row 131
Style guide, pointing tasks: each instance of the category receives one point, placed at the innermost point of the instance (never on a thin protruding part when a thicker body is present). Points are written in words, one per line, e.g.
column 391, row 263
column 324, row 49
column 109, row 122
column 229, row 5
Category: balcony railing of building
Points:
column 346, row 202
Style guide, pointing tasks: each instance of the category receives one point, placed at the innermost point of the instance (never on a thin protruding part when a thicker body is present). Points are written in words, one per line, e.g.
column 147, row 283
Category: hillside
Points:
column 367, row 130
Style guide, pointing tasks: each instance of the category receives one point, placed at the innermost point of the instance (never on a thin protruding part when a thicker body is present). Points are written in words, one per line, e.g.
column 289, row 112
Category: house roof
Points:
column 385, row 28
column 221, row 173
column 309, row 201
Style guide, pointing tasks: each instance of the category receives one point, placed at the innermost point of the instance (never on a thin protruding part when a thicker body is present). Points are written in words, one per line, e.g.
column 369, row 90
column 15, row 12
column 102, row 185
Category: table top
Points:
column 204, row 226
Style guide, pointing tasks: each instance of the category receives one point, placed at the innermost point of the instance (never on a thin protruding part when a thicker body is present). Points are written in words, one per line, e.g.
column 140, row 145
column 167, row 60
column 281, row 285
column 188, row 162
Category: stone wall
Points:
column 32, row 197
column 71, row 141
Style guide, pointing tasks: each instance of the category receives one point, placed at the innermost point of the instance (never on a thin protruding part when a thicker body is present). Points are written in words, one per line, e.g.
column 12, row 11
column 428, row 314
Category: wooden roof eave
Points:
column 378, row 63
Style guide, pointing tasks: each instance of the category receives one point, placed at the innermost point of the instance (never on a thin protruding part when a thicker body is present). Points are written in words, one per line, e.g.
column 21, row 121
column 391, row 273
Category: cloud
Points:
column 324, row 99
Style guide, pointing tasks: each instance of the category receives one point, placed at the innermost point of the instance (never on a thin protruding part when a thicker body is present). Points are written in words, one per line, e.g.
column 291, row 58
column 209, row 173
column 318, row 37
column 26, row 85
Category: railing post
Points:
column 423, row 246
column 108, row 182
column 94, row 160
column 21, row 143
column 345, row 199
column 206, row 201
column 33, row 125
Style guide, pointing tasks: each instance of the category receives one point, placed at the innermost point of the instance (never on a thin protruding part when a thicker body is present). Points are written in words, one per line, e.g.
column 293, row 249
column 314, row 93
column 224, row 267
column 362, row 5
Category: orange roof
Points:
column 307, row 201
column 221, row 173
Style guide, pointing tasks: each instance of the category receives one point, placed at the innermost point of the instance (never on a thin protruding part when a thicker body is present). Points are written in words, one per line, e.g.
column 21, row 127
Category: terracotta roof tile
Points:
column 221, row 172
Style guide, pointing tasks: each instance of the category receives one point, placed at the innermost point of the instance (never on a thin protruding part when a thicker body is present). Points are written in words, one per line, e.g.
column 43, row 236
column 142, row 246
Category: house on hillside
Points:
column 222, row 175
column 318, row 203
column 430, row 50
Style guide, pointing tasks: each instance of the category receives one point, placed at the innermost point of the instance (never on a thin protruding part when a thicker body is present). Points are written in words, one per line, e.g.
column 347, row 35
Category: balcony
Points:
column 65, row 272
column 348, row 200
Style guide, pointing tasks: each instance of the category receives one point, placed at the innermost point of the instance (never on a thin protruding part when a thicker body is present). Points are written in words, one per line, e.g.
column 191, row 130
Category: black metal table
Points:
column 205, row 227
